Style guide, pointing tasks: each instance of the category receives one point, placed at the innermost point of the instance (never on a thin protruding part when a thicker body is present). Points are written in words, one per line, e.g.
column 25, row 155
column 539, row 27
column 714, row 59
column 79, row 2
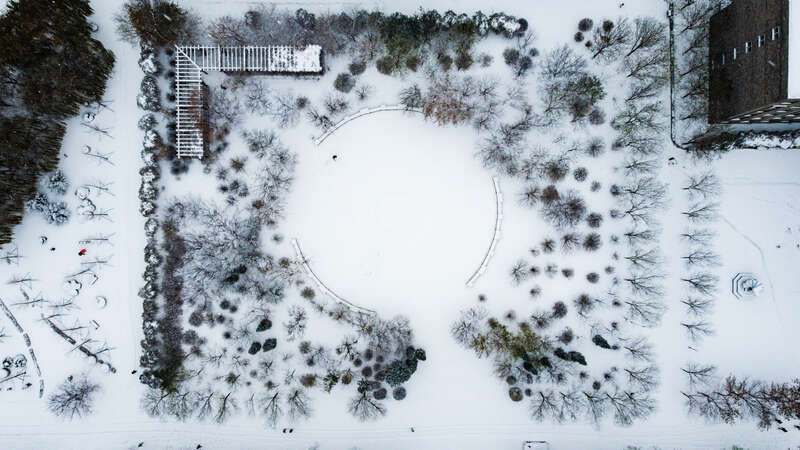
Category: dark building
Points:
column 754, row 50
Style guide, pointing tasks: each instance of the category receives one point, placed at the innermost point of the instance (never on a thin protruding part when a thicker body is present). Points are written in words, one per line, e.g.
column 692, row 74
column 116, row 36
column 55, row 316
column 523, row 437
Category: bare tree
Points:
column 700, row 257
column 645, row 259
column 226, row 406
column 647, row 34
column 74, row 397
column 699, row 374
column 595, row 406
column 469, row 325
column 640, row 236
column 257, row 99
column 298, row 404
column 697, row 330
column 701, row 236
column 639, row 349
column 365, row 407
column 644, row 89
column 639, row 117
column 628, row 406
column 11, row 255
column 99, row 156
column 698, row 306
column 544, row 405
column 645, row 284
column 284, row 109
column 702, row 282
column 270, row 407
column 519, row 272
column 644, row 378
column 296, row 326
column 610, row 38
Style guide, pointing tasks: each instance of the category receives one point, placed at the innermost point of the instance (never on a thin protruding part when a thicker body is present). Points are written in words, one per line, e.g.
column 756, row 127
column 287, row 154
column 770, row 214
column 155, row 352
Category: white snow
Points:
column 397, row 224
column 794, row 49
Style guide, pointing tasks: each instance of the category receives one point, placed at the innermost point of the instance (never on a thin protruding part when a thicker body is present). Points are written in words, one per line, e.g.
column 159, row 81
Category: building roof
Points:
column 794, row 49
column 758, row 75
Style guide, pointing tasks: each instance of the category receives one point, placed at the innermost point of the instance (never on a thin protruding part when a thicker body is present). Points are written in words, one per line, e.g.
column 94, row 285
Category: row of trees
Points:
column 50, row 66
column 734, row 399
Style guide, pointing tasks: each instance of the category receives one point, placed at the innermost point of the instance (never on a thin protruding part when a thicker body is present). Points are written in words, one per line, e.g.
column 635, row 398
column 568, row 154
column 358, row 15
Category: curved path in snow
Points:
column 495, row 237
column 361, row 113
column 322, row 285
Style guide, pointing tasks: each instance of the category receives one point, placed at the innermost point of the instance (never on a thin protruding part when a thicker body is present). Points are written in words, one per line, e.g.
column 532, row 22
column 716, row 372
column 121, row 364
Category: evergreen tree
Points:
column 49, row 66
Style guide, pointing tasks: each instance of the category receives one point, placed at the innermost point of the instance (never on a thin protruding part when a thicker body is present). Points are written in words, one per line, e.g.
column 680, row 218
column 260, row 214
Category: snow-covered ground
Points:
column 398, row 223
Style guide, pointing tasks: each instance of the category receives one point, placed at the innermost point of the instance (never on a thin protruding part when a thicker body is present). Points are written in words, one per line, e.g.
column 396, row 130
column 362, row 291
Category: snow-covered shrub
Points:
column 149, row 97
column 357, row 67
column 148, row 62
column 55, row 212
column 57, row 182
column 150, row 227
column 147, row 122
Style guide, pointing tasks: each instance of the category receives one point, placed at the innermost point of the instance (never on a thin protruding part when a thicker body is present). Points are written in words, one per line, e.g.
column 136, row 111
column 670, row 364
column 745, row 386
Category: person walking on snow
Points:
column 82, row 252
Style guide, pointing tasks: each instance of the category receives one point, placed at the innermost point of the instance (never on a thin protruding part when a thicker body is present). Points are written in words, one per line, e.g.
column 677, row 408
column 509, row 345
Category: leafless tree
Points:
column 609, row 41
column 336, row 104
column 99, row 156
column 224, row 107
column 698, row 306
column 228, row 31
column 519, row 272
column 97, row 214
column 74, row 397
column 647, row 34
column 544, row 405
column 628, row 406
column 700, row 257
column 639, row 349
column 595, row 406
column 469, row 325
column 639, row 166
column 641, row 236
column 703, row 185
column 284, row 109
column 703, row 283
column 11, row 255
column 645, row 284
column 645, row 89
column 296, row 326
column 298, row 404
column 22, row 280
column 698, row 329
column 365, row 407
column 639, row 118
column 562, row 63
column 97, row 239
column 227, row 405
column 270, row 407
column 645, row 311
column 650, row 67
column 644, row 259
column 257, row 99
column 700, row 236
column 644, row 378
column 97, row 130
column 699, row 374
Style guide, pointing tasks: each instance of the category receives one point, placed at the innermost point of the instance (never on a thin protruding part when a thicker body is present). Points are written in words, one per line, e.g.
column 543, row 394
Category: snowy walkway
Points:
column 362, row 113
column 495, row 237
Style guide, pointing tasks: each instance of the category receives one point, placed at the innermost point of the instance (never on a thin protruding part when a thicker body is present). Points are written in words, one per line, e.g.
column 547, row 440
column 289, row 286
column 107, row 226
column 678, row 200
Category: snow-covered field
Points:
column 398, row 223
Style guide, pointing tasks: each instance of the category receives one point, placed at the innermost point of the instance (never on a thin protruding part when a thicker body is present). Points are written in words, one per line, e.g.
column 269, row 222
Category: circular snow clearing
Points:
column 405, row 204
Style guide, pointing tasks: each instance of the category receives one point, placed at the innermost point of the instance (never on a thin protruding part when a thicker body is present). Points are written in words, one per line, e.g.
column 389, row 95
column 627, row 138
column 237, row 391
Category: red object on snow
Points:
column 82, row 252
